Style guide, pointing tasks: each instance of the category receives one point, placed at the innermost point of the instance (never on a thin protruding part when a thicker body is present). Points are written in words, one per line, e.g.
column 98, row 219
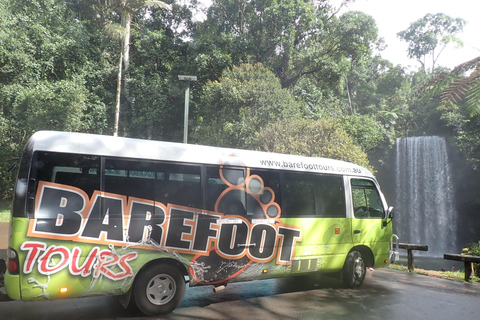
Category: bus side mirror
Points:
column 390, row 215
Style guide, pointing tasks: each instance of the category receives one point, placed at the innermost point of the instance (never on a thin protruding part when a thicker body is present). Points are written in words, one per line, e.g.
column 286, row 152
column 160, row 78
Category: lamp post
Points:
column 187, row 98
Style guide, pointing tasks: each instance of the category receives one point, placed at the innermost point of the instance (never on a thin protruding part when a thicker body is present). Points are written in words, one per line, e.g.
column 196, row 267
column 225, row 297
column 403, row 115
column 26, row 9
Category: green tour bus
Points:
column 103, row 215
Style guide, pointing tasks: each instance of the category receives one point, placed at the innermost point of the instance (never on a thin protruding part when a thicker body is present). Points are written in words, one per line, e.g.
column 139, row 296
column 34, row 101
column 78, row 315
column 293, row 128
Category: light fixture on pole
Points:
column 187, row 98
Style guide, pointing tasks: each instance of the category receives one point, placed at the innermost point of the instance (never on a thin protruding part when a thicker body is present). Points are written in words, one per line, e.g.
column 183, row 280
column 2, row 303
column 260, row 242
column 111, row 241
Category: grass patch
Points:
column 5, row 210
column 450, row 275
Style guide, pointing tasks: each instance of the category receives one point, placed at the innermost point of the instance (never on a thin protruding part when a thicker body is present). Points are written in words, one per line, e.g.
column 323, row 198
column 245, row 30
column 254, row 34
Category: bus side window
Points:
column 367, row 203
column 127, row 178
column 298, row 194
column 130, row 178
column 215, row 187
column 264, row 184
column 78, row 171
column 218, row 181
column 166, row 183
column 179, row 184
column 330, row 196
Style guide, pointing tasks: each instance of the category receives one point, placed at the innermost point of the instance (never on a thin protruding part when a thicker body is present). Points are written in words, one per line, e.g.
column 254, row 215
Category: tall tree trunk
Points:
column 125, row 63
column 352, row 111
column 126, row 74
column 119, row 91
column 125, row 6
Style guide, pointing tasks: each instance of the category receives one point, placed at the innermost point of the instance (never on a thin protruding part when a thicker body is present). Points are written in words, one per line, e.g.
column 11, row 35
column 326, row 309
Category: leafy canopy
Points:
column 430, row 35
column 245, row 99
column 307, row 137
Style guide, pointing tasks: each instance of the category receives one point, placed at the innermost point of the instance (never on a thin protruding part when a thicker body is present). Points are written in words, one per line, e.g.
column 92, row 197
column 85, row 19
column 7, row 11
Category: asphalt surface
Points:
column 385, row 294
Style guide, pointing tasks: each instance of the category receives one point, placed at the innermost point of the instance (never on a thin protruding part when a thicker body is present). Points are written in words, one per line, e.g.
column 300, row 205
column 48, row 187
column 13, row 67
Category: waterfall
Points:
column 425, row 211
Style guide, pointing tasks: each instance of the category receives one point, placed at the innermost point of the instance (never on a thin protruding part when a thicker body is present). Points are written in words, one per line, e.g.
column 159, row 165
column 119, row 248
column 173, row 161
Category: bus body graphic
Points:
column 101, row 215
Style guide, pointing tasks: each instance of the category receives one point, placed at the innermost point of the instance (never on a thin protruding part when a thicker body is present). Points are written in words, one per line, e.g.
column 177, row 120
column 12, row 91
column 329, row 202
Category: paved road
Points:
column 386, row 294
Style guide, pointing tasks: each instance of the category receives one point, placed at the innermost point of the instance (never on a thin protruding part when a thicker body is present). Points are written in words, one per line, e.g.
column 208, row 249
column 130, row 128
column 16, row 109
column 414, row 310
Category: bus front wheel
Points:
column 354, row 270
column 159, row 289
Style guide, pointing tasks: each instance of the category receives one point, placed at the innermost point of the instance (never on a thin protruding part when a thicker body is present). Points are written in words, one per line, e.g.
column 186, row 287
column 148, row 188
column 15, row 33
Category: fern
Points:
column 455, row 92
column 472, row 99
column 456, row 86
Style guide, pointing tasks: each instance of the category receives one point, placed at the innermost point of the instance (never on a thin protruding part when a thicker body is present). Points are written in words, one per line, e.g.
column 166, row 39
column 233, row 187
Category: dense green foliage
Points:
column 244, row 100
column 52, row 76
column 313, row 87
column 322, row 138
column 474, row 250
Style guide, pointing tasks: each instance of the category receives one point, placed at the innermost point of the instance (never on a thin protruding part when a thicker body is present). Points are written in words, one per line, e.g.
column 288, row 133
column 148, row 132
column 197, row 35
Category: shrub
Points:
column 474, row 250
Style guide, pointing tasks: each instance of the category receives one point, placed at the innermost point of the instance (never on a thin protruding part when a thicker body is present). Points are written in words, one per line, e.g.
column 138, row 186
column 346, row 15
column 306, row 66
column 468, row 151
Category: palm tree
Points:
column 126, row 9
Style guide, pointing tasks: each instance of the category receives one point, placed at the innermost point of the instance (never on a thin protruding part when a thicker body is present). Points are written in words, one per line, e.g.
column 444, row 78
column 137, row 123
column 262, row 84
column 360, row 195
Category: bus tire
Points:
column 159, row 289
column 354, row 270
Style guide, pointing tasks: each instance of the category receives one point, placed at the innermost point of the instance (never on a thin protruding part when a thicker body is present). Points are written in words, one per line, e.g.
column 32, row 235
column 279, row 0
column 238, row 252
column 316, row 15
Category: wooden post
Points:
column 468, row 270
column 411, row 261
column 467, row 262
column 410, row 247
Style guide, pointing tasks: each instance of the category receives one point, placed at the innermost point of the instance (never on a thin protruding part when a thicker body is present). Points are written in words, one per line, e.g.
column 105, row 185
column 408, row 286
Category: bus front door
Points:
column 369, row 223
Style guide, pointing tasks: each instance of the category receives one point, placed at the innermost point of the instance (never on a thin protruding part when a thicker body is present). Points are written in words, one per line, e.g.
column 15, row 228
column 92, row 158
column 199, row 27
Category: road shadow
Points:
column 260, row 298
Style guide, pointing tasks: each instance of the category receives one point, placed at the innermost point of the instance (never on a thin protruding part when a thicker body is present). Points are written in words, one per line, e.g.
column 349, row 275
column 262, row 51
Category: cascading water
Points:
column 425, row 211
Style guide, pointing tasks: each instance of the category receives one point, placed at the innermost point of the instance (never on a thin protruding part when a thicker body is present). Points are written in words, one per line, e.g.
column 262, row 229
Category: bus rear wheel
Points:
column 354, row 270
column 159, row 289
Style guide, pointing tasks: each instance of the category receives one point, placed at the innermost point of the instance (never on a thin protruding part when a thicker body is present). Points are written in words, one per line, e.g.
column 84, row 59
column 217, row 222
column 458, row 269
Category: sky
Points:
column 393, row 16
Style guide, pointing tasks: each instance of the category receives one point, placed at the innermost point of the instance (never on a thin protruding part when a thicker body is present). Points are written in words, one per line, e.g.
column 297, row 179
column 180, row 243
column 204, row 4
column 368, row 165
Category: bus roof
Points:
column 93, row 144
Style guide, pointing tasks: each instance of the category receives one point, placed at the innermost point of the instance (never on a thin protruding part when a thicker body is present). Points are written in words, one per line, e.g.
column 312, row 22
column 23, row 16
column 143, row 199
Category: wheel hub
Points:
column 161, row 289
column 358, row 268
